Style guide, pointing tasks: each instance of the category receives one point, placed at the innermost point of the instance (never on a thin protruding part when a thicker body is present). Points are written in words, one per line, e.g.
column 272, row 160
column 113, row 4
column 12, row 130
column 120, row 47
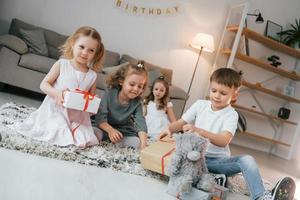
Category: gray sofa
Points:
column 24, row 66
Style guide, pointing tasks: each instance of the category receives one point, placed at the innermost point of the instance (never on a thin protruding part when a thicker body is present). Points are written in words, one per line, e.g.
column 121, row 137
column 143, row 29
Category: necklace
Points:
column 78, row 73
column 80, row 79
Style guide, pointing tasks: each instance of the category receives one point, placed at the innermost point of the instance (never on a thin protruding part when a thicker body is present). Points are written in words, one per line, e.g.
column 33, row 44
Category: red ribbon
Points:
column 163, row 160
column 87, row 97
column 74, row 129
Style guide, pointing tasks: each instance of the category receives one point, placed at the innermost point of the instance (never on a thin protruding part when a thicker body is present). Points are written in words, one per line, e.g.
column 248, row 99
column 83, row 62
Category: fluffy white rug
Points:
column 106, row 155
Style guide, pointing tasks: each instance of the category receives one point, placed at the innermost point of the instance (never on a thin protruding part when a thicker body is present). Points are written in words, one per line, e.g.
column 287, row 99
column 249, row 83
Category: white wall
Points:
column 162, row 40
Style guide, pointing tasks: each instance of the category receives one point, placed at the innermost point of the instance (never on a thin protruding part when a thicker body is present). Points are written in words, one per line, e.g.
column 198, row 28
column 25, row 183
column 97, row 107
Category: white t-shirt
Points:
column 216, row 122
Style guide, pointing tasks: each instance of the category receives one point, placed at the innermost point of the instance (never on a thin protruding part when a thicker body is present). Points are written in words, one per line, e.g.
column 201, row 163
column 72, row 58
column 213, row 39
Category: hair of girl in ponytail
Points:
column 115, row 78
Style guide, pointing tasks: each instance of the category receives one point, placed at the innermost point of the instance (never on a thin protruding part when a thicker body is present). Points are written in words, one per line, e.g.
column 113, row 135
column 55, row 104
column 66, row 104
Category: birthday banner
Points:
column 133, row 8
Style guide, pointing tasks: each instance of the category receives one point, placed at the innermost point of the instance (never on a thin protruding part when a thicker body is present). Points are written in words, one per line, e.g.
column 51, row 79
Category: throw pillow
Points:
column 110, row 58
column 110, row 70
column 35, row 39
column 14, row 43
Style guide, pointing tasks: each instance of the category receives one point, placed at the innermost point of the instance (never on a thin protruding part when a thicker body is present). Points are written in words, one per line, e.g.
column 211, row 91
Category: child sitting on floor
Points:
column 216, row 120
column 52, row 122
column 120, row 115
column 158, row 110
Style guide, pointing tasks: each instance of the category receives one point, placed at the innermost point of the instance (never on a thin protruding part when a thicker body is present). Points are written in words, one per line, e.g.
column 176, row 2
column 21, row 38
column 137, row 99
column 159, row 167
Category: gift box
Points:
column 156, row 156
column 81, row 100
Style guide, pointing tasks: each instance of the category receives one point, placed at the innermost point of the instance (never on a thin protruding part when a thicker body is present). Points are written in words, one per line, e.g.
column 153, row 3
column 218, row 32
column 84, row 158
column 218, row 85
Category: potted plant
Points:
column 291, row 36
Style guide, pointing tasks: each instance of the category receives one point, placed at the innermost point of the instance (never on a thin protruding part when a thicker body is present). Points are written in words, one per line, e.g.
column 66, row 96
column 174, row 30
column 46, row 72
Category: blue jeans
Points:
column 236, row 164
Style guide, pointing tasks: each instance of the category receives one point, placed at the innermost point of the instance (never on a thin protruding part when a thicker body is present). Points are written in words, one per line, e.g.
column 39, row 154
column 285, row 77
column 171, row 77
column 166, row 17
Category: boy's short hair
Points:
column 227, row 77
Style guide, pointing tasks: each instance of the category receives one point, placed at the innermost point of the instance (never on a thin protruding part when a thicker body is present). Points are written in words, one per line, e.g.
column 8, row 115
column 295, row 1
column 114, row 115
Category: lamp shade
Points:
column 205, row 41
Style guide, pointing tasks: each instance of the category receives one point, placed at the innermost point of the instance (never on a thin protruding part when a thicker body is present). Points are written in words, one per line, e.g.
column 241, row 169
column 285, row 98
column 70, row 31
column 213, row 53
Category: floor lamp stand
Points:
column 195, row 69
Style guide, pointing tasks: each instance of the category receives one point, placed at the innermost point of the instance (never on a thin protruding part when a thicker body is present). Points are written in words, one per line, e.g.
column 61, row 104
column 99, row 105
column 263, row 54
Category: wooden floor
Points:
column 272, row 168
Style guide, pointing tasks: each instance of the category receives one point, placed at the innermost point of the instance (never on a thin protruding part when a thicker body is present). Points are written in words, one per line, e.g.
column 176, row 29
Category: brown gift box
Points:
column 156, row 156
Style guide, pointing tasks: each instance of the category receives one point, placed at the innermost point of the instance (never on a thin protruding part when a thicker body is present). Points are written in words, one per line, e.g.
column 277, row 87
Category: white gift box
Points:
column 81, row 100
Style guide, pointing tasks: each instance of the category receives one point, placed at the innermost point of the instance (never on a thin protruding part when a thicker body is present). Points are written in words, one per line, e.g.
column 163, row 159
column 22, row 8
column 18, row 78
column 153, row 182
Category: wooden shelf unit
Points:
column 280, row 71
column 234, row 32
column 270, row 92
column 255, row 135
column 272, row 44
column 242, row 108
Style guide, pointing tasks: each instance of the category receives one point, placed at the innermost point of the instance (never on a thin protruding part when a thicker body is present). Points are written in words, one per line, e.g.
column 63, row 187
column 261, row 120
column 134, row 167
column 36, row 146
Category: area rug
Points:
column 106, row 155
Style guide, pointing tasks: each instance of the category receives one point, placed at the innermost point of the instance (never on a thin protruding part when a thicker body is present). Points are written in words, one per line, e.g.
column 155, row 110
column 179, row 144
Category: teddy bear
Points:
column 187, row 164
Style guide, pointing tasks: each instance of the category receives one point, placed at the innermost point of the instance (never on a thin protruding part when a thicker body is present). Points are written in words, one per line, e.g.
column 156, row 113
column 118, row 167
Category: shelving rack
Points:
column 232, row 53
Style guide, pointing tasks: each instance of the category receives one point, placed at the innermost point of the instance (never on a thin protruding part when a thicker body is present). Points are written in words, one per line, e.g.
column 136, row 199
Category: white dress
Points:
column 53, row 123
column 156, row 120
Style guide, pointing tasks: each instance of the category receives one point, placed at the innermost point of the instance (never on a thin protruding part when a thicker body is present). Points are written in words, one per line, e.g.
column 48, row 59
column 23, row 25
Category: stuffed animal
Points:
column 187, row 164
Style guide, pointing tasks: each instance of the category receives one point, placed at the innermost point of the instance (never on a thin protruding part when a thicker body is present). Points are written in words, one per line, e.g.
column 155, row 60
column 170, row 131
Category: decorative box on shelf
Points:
column 81, row 100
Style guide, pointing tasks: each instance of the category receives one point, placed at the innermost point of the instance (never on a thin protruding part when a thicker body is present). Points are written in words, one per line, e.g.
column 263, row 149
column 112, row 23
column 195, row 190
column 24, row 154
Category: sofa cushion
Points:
column 54, row 42
column 36, row 62
column 101, row 81
column 111, row 58
column 167, row 73
column 15, row 26
column 110, row 70
column 35, row 40
column 153, row 75
column 178, row 93
column 53, row 39
column 14, row 43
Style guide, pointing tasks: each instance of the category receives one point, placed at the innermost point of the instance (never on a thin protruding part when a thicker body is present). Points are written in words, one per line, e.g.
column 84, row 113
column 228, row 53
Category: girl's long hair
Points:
column 67, row 50
column 162, row 103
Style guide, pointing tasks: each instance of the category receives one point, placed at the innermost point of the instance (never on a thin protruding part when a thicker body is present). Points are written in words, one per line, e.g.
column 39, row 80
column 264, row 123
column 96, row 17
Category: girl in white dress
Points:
column 158, row 110
column 52, row 122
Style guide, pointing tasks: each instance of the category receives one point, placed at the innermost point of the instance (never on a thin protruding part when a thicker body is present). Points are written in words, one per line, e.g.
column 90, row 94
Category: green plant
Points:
column 291, row 36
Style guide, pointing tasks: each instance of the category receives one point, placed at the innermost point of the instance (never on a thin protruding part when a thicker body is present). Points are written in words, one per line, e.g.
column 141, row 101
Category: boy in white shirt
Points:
column 216, row 120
